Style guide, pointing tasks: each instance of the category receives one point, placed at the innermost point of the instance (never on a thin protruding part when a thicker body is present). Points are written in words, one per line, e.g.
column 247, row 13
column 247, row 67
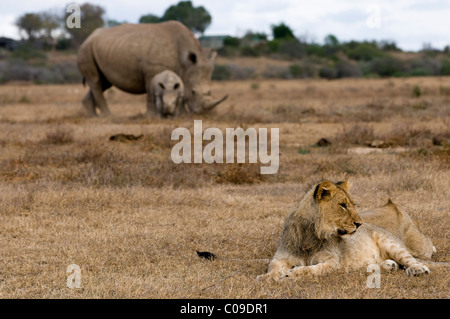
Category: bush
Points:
column 328, row 72
column 221, row 73
column 27, row 52
column 292, row 48
column 388, row 66
column 63, row 44
column 425, row 66
column 416, row 92
column 296, row 70
column 315, row 49
column 241, row 73
column 277, row 72
column 445, row 67
column 420, row 72
column 345, row 68
column 232, row 42
column 250, row 51
column 305, row 69
column 17, row 70
column 364, row 51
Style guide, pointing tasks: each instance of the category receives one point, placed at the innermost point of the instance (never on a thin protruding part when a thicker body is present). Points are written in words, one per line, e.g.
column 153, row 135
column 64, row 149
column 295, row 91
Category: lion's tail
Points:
column 433, row 265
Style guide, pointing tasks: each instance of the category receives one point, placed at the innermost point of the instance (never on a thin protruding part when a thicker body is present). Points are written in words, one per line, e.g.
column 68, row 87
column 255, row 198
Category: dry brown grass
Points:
column 133, row 220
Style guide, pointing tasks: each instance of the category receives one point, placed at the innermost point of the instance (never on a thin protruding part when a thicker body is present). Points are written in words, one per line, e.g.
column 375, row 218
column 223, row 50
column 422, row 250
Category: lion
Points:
column 325, row 233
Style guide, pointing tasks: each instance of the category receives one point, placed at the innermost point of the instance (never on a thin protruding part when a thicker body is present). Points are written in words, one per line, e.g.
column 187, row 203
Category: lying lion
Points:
column 325, row 233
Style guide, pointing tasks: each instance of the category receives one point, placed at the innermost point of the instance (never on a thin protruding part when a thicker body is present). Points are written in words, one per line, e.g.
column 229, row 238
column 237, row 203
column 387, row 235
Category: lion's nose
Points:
column 357, row 224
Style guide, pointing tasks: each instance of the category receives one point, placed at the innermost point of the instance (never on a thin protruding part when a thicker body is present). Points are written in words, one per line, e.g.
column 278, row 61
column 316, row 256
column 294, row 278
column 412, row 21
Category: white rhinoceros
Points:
column 128, row 56
column 167, row 90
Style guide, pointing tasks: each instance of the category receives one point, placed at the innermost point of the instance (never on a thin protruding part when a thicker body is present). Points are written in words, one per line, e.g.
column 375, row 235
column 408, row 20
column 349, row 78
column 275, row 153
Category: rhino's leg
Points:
column 151, row 103
column 181, row 108
column 100, row 101
column 89, row 104
column 98, row 85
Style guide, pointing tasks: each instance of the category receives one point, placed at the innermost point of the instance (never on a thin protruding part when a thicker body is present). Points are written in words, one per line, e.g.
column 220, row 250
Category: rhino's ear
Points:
column 192, row 57
column 213, row 55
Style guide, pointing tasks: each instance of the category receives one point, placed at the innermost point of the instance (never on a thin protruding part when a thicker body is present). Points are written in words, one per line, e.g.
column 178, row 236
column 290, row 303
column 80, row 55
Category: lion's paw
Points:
column 297, row 271
column 417, row 270
column 271, row 276
column 389, row 265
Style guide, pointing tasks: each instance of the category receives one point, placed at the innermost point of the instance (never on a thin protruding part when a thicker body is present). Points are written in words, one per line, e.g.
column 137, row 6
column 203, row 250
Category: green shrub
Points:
column 292, row 48
column 425, row 66
column 345, row 68
column 27, row 52
column 250, row 51
column 388, row 66
column 232, row 42
column 364, row 51
column 328, row 72
column 221, row 73
column 315, row 49
column 445, row 67
column 296, row 70
column 416, row 92
column 420, row 72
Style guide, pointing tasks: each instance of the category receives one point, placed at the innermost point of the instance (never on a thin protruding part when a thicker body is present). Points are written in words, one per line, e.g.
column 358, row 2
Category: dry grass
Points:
column 133, row 220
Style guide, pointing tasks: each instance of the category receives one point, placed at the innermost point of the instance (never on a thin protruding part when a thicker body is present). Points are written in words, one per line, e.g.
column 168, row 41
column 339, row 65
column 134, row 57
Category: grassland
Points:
column 133, row 220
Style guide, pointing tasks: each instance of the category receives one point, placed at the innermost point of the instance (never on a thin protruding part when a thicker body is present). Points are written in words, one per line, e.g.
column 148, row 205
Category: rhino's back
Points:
column 129, row 53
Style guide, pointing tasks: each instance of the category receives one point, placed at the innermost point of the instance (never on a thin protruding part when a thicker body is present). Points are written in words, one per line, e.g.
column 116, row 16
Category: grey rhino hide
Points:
column 167, row 90
column 128, row 56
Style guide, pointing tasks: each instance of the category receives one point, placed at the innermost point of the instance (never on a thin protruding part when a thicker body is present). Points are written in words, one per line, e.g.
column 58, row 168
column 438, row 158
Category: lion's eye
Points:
column 344, row 206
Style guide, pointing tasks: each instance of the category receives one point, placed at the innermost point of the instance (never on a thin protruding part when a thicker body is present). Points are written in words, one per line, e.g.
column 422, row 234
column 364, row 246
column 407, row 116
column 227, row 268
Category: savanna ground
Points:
column 133, row 220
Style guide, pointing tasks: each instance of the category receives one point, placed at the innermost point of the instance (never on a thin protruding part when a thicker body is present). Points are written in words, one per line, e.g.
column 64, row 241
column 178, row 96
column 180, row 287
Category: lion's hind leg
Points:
column 396, row 251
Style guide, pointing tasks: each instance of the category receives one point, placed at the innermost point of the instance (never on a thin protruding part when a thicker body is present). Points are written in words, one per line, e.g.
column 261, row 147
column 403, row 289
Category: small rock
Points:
column 323, row 142
column 125, row 137
column 439, row 140
column 377, row 144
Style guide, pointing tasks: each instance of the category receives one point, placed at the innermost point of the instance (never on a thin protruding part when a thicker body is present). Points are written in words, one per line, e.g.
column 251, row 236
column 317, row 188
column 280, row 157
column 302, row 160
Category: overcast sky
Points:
column 409, row 23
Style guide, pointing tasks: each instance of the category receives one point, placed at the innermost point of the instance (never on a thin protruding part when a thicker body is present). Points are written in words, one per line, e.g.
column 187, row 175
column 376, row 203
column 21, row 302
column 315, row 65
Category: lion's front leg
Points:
column 314, row 270
column 280, row 267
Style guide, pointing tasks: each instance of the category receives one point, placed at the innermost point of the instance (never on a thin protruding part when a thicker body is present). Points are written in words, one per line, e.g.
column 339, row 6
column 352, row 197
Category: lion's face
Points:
column 338, row 216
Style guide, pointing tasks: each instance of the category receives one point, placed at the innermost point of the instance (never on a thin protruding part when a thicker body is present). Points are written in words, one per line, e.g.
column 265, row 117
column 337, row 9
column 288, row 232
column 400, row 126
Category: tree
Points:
column 31, row 24
column 149, row 18
column 331, row 46
column 91, row 19
column 113, row 23
column 197, row 19
column 282, row 32
column 331, row 41
column 50, row 23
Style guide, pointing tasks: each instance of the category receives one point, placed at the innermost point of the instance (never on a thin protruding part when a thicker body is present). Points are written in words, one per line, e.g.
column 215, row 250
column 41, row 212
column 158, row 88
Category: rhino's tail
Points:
column 84, row 81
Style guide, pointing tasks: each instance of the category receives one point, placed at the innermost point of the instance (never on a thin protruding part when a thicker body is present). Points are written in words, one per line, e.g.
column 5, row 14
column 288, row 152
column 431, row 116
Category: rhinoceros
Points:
column 167, row 90
column 128, row 56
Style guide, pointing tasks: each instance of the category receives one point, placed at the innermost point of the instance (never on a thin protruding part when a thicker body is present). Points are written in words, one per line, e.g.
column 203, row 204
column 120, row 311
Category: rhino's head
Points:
column 170, row 98
column 197, row 82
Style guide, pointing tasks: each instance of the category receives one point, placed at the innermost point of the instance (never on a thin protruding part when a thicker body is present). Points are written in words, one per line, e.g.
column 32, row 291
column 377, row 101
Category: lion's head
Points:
column 337, row 214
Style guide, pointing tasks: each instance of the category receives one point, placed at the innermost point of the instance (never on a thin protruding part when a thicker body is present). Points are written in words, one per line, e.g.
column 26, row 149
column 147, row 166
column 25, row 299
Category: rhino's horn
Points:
column 213, row 105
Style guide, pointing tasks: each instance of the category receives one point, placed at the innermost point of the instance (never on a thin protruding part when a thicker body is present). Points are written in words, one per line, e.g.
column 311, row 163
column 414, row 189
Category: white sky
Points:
column 409, row 23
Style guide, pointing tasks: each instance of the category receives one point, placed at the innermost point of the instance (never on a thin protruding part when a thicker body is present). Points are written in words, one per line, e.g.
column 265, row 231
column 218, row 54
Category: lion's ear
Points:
column 324, row 190
column 345, row 185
